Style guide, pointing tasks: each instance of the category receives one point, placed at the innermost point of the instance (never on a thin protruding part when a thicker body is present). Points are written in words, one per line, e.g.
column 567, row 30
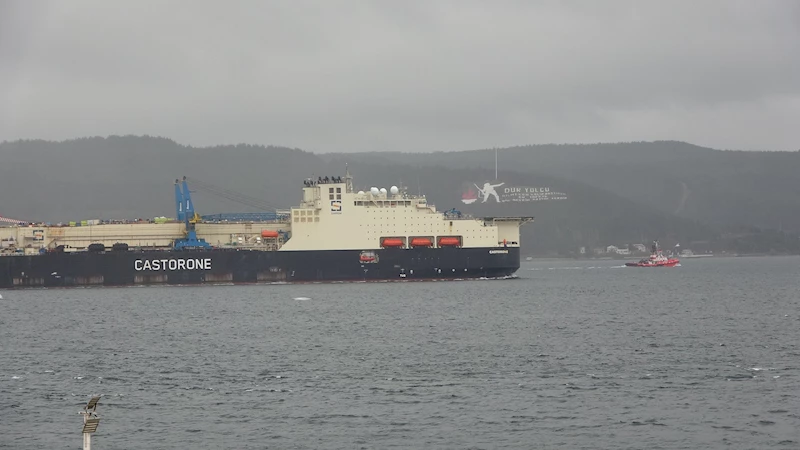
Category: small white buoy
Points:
column 301, row 298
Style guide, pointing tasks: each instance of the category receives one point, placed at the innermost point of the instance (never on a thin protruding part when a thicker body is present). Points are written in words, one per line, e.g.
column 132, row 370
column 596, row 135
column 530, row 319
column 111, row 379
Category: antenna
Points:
column 495, row 164
column 348, row 179
column 90, row 421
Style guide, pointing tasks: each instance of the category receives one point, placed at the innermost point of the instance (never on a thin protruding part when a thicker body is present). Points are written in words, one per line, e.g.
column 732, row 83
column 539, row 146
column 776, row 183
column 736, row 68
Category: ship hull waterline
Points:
column 127, row 268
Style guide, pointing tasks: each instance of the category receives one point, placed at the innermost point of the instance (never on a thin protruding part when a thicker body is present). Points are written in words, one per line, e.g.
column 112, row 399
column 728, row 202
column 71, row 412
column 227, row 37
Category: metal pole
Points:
column 90, row 421
column 87, row 437
column 495, row 164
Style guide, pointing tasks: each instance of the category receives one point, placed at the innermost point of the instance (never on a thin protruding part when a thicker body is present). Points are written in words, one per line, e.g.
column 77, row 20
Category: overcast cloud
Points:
column 403, row 75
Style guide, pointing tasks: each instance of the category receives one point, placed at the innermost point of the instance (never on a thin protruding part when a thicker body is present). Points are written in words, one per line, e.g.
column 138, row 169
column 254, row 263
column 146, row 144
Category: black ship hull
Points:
column 121, row 268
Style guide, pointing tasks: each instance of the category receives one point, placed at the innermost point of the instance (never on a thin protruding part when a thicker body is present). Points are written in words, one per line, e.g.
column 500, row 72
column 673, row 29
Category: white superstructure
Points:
column 332, row 216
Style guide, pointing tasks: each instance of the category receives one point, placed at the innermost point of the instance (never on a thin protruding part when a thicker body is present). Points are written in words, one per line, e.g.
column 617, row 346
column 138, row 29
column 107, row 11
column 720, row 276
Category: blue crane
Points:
column 184, row 209
column 179, row 211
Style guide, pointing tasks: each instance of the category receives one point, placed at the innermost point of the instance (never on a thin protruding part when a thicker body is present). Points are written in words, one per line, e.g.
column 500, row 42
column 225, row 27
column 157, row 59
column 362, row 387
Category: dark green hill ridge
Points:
column 618, row 194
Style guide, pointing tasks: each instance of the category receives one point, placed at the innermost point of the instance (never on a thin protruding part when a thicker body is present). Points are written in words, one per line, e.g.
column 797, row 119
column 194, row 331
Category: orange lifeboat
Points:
column 421, row 242
column 367, row 258
column 269, row 234
column 391, row 242
column 449, row 241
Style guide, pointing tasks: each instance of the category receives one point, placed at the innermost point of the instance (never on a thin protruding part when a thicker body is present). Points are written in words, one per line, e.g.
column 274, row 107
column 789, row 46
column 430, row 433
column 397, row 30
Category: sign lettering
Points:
column 172, row 264
column 499, row 192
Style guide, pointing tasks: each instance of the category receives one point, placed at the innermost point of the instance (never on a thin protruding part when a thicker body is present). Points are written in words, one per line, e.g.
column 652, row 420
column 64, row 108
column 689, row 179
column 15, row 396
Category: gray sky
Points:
column 403, row 75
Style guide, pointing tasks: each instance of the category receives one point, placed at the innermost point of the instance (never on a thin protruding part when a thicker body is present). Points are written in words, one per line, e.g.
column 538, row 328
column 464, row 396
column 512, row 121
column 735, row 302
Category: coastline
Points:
column 629, row 257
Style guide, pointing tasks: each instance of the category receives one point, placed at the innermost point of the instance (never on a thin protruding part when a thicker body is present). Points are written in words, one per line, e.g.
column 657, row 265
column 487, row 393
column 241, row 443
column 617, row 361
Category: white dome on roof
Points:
column 374, row 191
column 394, row 190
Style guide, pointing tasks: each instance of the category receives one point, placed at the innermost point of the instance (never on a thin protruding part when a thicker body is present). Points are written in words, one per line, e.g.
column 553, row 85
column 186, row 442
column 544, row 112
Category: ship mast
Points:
column 495, row 164
column 348, row 179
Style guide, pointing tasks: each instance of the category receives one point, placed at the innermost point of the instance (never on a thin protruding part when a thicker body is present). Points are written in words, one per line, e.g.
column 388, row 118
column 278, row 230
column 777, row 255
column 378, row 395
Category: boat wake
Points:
column 576, row 268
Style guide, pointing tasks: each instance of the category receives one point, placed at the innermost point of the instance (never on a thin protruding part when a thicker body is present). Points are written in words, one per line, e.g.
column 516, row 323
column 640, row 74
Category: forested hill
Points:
column 721, row 188
column 132, row 176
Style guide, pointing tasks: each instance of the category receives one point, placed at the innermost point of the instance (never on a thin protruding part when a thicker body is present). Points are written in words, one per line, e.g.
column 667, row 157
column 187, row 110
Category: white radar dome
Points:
column 374, row 191
column 394, row 190
column 360, row 192
column 383, row 191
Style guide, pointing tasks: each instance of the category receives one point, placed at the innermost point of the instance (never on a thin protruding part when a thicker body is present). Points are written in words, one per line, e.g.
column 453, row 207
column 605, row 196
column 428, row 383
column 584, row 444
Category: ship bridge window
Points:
column 330, row 196
column 338, row 190
column 330, row 190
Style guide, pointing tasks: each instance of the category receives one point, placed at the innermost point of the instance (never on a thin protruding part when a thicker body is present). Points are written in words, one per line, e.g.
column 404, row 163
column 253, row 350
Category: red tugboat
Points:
column 656, row 259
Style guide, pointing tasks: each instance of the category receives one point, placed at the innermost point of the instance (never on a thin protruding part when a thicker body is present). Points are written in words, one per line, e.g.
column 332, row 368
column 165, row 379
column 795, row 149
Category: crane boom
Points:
column 186, row 213
column 188, row 206
column 179, row 212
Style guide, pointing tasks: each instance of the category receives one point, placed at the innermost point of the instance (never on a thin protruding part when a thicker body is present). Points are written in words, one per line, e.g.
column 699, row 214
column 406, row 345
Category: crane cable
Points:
column 233, row 196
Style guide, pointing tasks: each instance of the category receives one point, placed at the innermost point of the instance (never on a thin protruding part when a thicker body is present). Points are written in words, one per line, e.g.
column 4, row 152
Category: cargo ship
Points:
column 334, row 234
